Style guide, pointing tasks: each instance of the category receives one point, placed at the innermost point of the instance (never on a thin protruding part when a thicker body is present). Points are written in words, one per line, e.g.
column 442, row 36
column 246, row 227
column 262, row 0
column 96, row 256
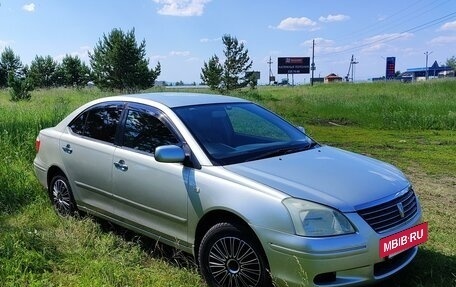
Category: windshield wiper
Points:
column 283, row 151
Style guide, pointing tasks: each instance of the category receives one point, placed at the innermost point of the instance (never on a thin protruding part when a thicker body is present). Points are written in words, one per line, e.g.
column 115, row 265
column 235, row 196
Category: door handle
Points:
column 67, row 149
column 121, row 165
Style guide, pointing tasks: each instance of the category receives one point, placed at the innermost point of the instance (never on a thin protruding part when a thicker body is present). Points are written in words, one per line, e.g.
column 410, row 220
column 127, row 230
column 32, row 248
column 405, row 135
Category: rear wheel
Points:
column 61, row 196
column 229, row 256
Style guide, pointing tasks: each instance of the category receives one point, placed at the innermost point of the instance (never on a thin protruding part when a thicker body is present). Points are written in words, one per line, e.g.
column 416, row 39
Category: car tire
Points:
column 230, row 256
column 61, row 196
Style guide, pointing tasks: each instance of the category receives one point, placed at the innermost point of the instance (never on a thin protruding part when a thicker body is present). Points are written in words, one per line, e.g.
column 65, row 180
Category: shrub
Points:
column 20, row 88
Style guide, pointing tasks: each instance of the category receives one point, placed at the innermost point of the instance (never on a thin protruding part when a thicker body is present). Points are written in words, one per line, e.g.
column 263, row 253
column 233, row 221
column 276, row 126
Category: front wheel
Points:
column 61, row 196
column 229, row 256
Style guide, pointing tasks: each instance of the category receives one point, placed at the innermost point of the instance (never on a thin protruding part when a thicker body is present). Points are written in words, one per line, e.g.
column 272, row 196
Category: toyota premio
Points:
column 252, row 197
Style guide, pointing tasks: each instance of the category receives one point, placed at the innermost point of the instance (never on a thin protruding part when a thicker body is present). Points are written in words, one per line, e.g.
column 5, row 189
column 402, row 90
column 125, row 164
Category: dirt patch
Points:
column 332, row 122
column 438, row 200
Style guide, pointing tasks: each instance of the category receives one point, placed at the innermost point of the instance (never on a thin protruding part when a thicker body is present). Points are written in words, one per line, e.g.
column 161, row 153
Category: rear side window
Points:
column 99, row 122
column 144, row 132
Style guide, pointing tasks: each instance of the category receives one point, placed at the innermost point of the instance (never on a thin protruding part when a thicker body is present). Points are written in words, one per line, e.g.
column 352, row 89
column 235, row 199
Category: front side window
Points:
column 99, row 122
column 144, row 132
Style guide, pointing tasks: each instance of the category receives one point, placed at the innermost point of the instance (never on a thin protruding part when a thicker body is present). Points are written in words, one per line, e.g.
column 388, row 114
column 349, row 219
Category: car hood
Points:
column 331, row 176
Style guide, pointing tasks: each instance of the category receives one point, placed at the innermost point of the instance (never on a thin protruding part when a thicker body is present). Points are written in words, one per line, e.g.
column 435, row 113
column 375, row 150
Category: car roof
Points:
column 180, row 99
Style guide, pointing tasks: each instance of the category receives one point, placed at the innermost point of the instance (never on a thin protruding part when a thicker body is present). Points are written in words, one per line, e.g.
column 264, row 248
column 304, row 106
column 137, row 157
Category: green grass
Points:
column 396, row 106
column 410, row 125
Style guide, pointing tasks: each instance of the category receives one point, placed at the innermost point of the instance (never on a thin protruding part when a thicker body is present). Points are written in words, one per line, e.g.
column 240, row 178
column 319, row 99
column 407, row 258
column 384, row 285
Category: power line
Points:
column 397, row 35
column 373, row 27
column 406, row 14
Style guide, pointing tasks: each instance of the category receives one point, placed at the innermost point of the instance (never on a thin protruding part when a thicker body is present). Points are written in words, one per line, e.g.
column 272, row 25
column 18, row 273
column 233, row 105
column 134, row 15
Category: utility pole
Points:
column 270, row 71
column 353, row 62
column 427, row 71
column 312, row 66
column 351, row 68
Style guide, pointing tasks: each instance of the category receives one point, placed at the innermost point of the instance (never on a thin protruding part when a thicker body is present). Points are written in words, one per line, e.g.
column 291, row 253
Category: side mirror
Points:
column 169, row 154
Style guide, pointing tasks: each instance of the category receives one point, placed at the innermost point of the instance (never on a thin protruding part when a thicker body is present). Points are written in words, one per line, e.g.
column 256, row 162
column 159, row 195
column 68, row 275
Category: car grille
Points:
column 392, row 213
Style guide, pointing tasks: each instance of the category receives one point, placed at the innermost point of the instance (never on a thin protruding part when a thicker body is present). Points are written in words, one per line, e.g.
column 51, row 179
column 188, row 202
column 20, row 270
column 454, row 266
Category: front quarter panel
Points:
column 214, row 188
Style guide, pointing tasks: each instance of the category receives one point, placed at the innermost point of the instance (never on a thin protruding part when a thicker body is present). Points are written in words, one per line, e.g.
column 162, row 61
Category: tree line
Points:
column 118, row 62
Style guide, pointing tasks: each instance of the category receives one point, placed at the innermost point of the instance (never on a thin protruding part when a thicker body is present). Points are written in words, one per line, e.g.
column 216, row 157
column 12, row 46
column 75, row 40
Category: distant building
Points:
column 417, row 74
column 447, row 74
column 332, row 78
column 160, row 83
column 318, row 80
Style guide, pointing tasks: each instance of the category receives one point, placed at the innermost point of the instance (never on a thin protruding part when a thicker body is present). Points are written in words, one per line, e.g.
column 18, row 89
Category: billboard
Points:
column 293, row 65
column 254, row 74
column 390, row 67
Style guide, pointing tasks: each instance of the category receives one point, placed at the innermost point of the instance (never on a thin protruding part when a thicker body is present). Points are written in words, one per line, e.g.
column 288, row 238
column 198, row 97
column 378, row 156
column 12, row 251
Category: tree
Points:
column 118, row 62
column 236, row 64
column 73, row 72
column 43, row 72
column 14, row 75
column 252, row 80
column 451, row 62
column 230, row 75
column 211, row 73
column 20, row 87
column 10, row 64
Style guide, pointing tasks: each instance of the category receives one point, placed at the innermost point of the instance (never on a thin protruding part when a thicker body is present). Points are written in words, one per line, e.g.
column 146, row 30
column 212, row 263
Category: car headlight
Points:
column 313, row 220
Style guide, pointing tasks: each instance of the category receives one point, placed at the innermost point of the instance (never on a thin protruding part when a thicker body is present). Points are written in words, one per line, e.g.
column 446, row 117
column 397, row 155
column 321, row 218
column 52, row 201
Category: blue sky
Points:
column 183, row 34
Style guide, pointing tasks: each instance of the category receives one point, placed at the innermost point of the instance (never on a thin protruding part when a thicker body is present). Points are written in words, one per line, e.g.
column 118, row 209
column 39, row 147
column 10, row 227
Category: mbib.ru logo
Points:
column 403, row 240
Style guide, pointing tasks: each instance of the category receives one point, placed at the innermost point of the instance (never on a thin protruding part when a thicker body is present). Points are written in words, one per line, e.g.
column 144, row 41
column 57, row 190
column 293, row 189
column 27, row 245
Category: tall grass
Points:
column 412, row 125
column 37, row 248
column 20, row 123
column 380, row 105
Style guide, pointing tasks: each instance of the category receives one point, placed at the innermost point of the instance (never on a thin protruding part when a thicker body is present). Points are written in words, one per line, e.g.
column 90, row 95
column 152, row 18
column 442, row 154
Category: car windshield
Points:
column 237, row 132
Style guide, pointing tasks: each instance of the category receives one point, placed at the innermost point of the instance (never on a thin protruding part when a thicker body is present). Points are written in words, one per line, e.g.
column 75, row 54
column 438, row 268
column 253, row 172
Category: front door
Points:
column 148, row 194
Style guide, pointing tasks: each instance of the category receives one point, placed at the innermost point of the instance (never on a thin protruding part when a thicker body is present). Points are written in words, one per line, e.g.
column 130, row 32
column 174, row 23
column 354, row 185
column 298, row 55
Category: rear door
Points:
column 87, row 148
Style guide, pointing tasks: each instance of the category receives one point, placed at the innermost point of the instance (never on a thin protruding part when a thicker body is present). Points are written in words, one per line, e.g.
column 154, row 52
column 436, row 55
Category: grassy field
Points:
column 410, row 125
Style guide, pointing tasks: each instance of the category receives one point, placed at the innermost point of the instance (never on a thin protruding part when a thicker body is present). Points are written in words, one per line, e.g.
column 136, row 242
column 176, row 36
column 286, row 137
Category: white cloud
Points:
column 29, row 7
column 381, row 18
column 192, row 59
column 4, row 44
column 158, row 57
column 388, row 37
column 375, row 47
column 324, row 46
column 296, row 24
column 82, row 53
column 443, row 40
column 179, row 53
column 334, row 18
column 379, row 42
column 207, row 40
column 181, row 7
column 450, row 26
column 330, row 49
column 319, row 42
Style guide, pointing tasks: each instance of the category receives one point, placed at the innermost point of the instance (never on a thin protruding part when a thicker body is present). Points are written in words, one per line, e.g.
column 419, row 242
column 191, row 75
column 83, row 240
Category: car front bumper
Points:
column 347, row 260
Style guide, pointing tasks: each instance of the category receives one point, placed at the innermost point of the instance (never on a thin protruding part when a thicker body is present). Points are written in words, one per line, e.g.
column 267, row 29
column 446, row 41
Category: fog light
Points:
column 325, row 278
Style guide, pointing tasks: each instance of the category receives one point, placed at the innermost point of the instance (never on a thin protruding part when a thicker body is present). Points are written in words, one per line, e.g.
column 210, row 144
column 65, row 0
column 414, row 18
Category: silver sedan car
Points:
column 254, row 199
